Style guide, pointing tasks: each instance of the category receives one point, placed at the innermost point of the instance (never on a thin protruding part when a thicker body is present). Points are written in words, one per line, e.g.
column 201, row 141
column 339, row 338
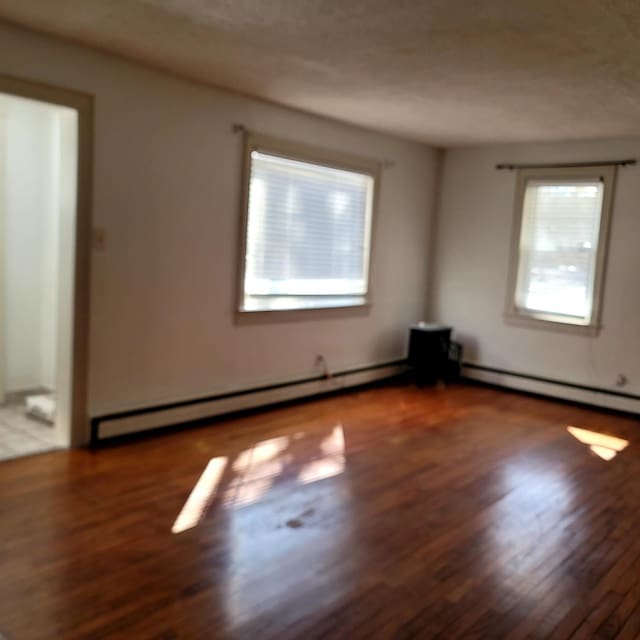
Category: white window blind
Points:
column 558, row 250
column 307, row 235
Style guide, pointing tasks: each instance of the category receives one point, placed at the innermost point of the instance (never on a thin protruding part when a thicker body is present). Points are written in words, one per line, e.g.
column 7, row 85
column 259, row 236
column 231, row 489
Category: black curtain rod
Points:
column 563, row 165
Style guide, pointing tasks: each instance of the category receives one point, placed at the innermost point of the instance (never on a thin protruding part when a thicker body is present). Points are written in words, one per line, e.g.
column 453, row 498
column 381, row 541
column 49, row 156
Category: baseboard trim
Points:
column 20, row 395
column 576, row 392
column 123, row 423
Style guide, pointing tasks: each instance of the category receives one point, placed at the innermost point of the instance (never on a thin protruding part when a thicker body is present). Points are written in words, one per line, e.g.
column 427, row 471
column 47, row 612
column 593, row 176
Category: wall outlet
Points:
column 321, row 364
column 621, row 380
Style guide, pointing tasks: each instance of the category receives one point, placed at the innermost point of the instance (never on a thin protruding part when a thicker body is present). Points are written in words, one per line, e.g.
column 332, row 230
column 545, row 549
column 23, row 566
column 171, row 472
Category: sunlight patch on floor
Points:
column 604, row 446
column 255, row 470
column 201, row 495
column 332, row 462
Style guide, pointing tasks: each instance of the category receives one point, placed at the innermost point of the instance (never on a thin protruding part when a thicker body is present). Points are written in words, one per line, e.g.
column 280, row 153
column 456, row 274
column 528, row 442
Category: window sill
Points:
column 299, row 303
column 248, row 317
column 550, row 323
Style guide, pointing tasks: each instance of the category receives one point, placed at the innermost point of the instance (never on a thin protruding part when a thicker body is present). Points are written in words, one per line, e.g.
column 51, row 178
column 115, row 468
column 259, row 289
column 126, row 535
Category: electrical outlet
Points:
column 321, row 364
column 621, row 380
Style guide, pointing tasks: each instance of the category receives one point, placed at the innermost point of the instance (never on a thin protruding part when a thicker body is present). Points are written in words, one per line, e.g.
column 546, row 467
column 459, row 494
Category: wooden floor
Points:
column 393, row 512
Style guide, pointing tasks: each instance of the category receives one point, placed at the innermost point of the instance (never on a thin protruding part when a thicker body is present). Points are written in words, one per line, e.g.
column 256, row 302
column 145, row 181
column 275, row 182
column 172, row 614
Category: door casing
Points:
column 82, row 103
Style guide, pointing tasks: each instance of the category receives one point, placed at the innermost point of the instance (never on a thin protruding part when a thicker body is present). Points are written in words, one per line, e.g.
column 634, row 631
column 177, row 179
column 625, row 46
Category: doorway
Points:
column 42, row 292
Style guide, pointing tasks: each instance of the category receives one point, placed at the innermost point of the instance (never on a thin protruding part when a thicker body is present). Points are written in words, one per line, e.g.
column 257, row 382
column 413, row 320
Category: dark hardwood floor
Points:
column 393, row 512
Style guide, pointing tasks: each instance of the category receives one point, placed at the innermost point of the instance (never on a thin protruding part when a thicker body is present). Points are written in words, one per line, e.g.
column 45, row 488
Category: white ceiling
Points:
column 448, row 72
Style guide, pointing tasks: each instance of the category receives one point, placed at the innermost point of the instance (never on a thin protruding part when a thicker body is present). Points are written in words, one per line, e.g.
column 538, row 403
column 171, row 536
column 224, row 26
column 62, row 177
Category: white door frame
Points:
column 79, row 432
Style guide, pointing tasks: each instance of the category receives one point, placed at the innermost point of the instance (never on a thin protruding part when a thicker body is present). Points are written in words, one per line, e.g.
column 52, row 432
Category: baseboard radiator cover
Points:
column 574, row 392
column 125, row 423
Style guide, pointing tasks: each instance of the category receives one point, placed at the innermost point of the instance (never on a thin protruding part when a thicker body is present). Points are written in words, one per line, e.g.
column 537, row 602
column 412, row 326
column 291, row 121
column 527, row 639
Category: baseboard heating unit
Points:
column 615, row 399
column 147, row 418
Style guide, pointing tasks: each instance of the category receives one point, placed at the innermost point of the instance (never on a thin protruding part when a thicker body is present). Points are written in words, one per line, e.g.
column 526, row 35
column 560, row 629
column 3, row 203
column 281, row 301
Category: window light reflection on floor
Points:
column 604, row 446
column 254, row 471
column 201, row 495
column 332, row 461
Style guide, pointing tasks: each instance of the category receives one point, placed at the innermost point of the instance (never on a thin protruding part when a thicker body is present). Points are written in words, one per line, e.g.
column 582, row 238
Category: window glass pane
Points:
column 308, row 231
column 558, row 247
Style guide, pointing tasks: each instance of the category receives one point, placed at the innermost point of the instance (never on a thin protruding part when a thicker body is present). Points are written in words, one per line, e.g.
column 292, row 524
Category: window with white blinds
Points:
column 560, row 252
column 308, row 233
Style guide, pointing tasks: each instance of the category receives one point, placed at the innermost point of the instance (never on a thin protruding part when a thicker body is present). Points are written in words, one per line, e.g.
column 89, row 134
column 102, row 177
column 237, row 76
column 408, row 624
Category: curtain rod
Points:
column 567, row 165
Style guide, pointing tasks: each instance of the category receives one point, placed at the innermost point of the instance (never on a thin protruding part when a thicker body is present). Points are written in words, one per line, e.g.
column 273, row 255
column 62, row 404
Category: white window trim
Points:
column 532, row 319
column 313, row 155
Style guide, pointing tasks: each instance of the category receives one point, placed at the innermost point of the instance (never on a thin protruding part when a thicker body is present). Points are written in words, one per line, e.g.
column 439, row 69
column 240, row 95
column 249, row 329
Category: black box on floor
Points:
column 429, row 352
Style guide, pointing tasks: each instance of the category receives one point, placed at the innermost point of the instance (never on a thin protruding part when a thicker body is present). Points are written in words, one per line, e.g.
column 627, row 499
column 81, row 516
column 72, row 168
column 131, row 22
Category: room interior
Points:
column 37, row 185
column 245, row 472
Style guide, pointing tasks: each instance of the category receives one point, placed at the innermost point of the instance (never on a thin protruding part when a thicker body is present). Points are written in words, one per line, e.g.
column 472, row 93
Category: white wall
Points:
column 30, row 252
column 472, row 263
column 166, row 191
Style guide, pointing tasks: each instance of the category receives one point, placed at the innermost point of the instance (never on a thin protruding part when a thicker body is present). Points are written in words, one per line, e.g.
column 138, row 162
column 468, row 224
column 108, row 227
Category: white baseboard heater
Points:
column 585, row 394
column 171, row 414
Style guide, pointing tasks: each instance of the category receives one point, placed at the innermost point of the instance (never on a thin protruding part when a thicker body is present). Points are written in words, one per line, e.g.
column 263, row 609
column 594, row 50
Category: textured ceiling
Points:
column 440, row 71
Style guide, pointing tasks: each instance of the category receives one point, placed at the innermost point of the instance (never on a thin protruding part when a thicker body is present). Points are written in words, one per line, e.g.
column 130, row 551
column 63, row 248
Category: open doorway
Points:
column 41, row 375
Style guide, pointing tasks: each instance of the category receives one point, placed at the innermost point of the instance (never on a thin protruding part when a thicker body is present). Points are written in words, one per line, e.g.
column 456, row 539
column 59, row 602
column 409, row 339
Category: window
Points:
column 307, row 231
column 562, row 223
